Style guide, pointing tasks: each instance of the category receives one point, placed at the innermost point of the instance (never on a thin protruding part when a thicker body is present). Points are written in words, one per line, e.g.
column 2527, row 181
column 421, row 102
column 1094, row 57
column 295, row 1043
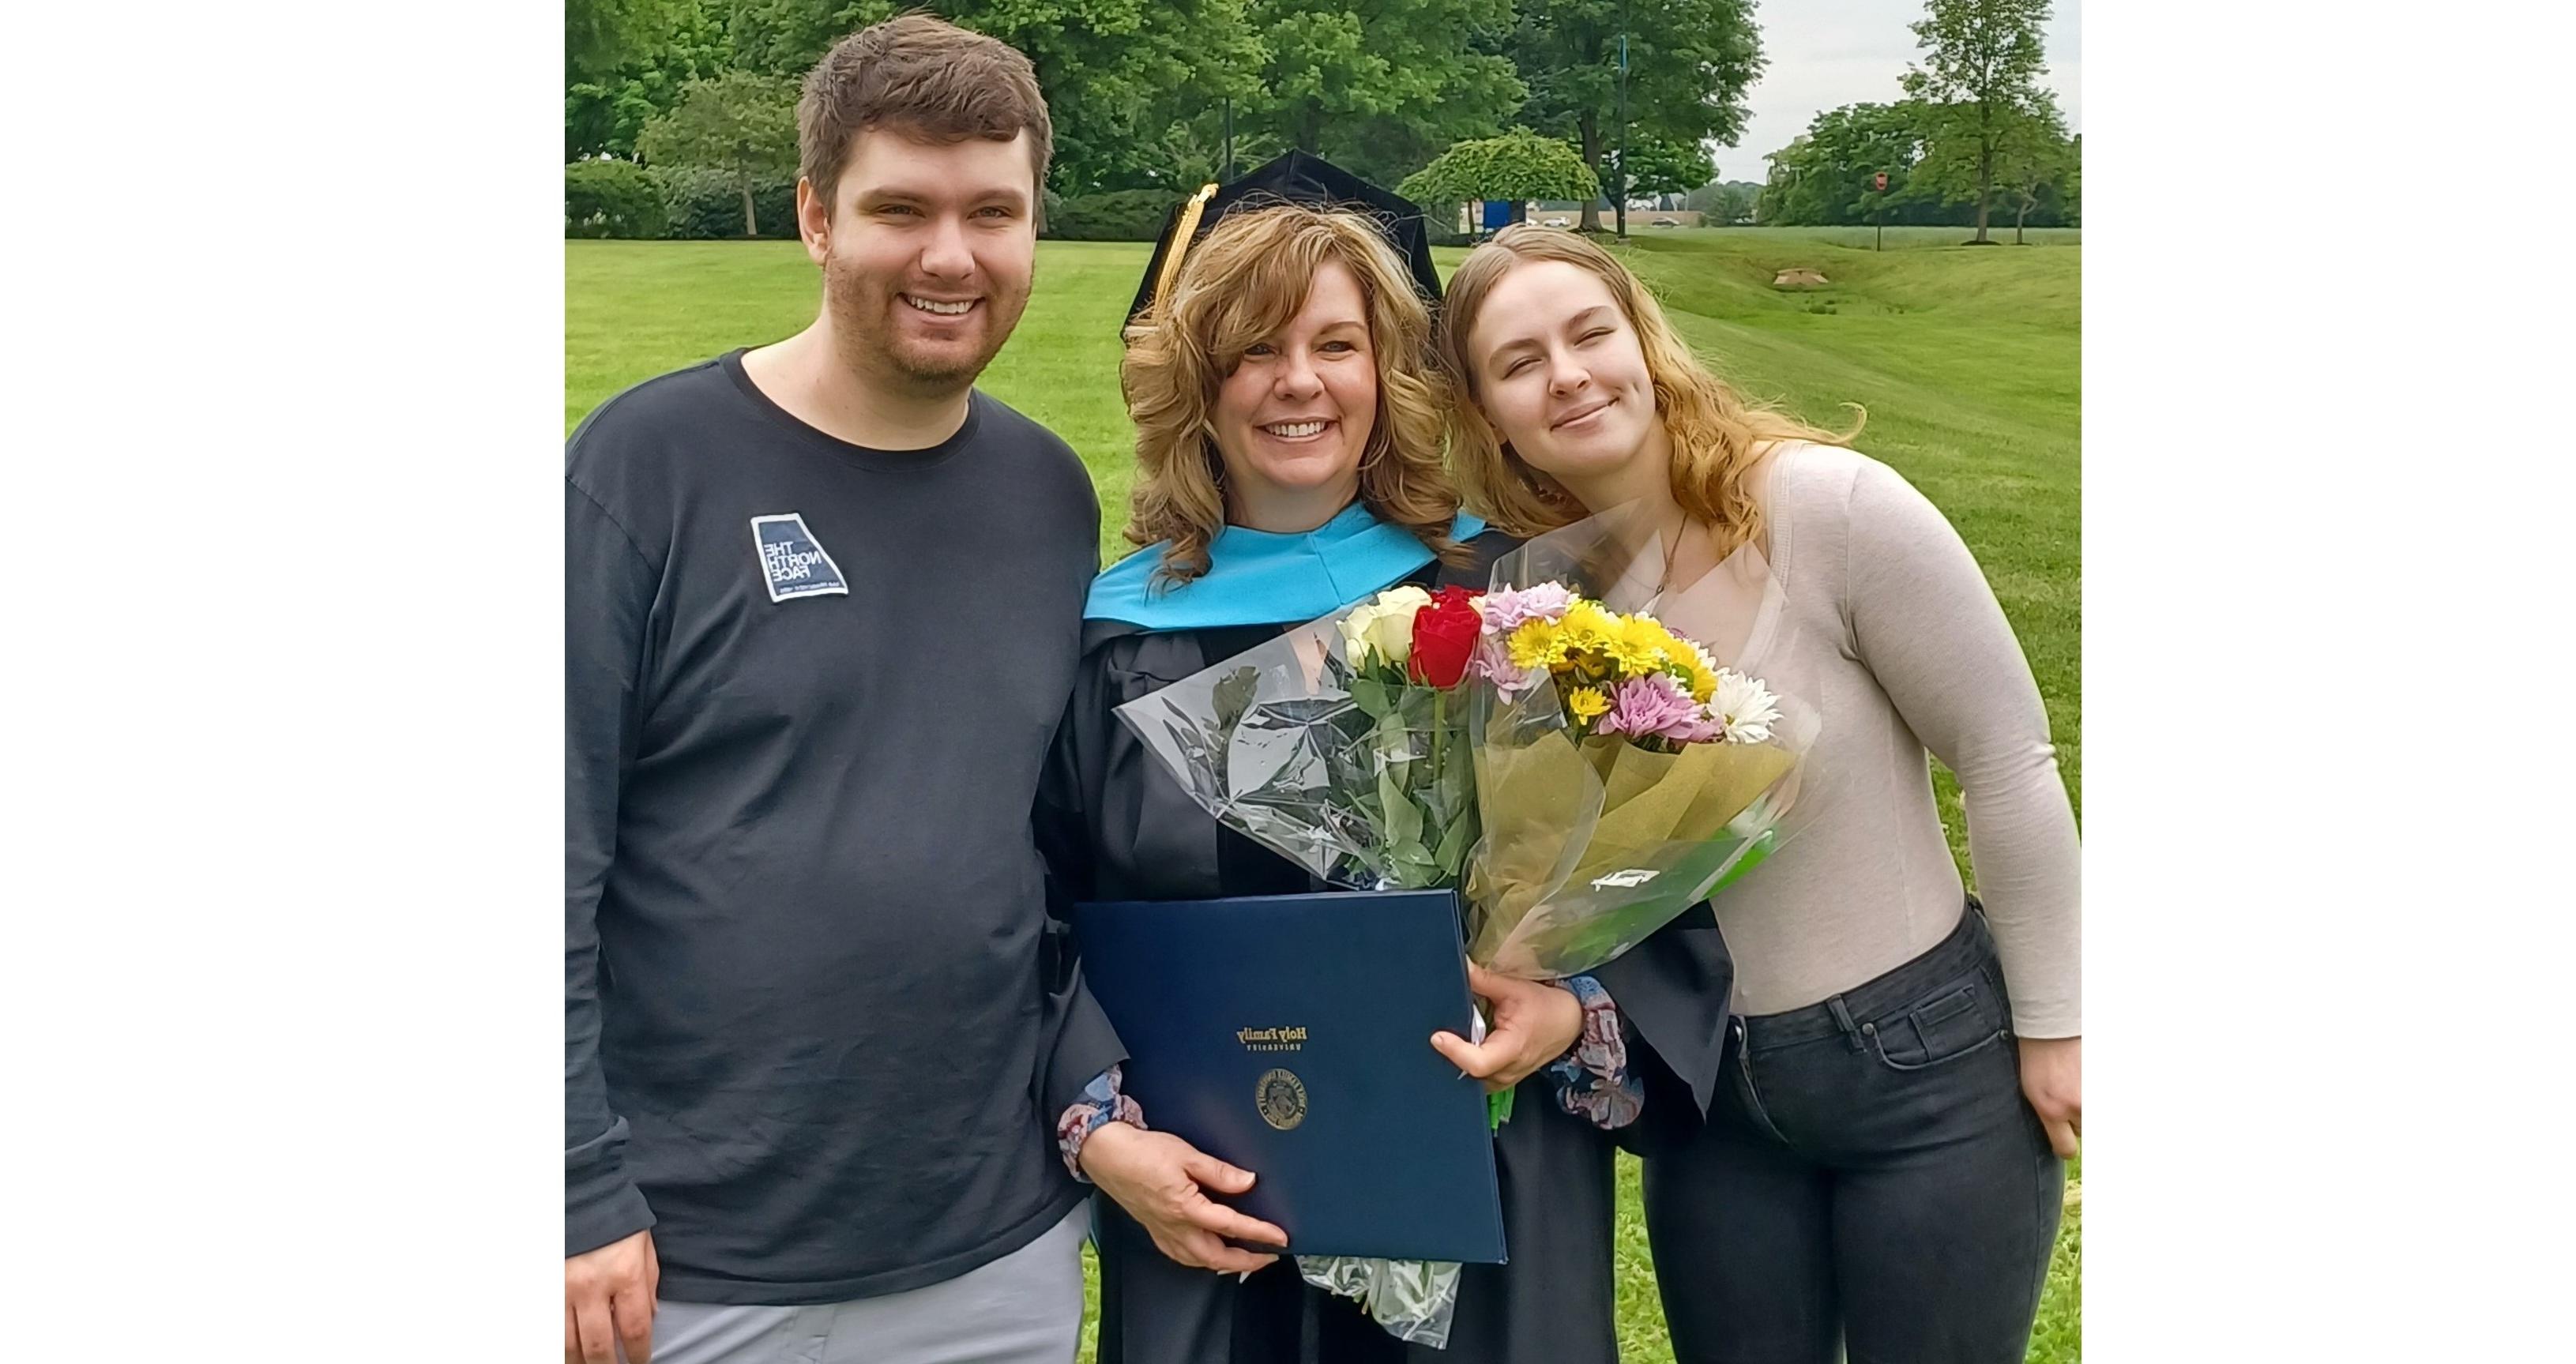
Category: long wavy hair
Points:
column 1717, row 434
column 1238, row 287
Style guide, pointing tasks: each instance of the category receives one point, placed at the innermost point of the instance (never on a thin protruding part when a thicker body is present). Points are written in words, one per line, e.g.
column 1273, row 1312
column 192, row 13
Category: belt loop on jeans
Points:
column 1843, row 1020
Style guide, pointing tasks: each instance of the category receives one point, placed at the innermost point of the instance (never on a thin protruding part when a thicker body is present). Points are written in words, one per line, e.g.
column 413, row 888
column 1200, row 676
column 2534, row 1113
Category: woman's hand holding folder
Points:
column 1160, row 1180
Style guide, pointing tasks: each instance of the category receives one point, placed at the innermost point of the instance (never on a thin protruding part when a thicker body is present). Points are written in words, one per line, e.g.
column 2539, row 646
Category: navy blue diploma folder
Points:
column 1291, row 1035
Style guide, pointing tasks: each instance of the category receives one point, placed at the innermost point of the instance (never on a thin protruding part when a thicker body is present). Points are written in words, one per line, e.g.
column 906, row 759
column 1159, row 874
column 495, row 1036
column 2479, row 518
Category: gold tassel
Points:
column 1182, row 231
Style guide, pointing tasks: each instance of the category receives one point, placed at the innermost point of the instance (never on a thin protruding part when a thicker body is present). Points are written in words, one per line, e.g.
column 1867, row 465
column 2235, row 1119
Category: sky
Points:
column 1824, row 54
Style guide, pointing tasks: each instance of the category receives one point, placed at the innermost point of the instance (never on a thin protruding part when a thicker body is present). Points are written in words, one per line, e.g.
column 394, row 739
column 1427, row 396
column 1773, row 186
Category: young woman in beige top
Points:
column 1872, row 1164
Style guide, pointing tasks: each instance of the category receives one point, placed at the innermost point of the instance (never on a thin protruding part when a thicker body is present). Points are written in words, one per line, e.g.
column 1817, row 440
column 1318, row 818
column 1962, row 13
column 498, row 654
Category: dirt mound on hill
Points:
column 1798, row 278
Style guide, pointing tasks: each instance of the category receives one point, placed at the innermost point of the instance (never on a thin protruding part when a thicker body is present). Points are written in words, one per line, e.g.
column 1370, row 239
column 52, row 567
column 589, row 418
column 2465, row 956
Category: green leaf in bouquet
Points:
column 1365, row 807
column 1233, row 696
column 1411, row 867
column 1459, row 836
column 1392, row 750
column 1453, row 791
column 1403, row 821
column 1372, row 697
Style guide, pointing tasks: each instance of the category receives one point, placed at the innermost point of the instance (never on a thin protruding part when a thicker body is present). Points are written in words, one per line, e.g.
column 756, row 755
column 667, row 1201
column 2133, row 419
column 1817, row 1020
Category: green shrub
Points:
column 612, row 199
column 1118, row 215
column 706, row 205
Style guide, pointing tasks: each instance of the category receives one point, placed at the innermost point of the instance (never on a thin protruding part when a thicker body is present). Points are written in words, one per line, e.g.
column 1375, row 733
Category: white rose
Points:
column 1384, row 625
column 1354, row 629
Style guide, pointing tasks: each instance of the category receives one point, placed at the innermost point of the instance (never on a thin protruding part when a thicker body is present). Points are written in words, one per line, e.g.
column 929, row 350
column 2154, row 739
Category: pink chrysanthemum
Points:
column 1699, row 728
column 1653, row 706
column 1493, row 663
column 1505, row 611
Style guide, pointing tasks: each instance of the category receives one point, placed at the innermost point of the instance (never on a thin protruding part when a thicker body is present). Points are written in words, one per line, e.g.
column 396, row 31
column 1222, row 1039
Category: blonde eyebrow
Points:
column 1530, row 342
column 1508, row 348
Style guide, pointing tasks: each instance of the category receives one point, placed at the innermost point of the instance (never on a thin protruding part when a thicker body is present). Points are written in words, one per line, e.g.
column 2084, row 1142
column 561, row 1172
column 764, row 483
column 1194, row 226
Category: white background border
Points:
column 285, row 325
column 285, row 330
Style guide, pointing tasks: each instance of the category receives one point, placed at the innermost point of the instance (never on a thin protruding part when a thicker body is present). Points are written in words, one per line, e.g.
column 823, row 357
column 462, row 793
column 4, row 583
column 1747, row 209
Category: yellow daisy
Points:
column 1534, row 644
column 1641, row 646
column 1586, row 626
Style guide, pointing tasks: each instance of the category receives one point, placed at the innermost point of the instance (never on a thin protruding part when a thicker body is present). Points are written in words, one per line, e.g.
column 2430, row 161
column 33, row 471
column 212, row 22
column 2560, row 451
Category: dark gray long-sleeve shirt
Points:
column 809, row 689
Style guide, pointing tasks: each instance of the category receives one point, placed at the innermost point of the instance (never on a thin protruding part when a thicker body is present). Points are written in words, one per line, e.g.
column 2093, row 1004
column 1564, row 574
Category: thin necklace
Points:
column 1664, row 583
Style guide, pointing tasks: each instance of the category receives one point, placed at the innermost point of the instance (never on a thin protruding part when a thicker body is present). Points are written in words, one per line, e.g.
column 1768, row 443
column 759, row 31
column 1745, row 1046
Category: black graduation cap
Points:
column 1295, row 178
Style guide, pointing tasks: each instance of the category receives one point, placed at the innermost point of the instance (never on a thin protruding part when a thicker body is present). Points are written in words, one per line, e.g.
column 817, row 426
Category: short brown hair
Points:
column 926, row 78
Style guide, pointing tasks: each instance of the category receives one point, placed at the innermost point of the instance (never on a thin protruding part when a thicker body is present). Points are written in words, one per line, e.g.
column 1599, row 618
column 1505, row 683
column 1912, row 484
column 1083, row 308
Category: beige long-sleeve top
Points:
column 1878, row 617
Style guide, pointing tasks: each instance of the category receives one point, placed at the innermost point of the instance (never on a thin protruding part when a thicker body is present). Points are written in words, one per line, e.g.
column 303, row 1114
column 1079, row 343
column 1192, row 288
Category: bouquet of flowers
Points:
column 1341, row 745
column 1405, row 651
column 1622, row 776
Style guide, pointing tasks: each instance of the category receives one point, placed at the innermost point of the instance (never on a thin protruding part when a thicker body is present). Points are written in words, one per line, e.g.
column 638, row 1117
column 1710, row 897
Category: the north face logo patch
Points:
column 792, row 561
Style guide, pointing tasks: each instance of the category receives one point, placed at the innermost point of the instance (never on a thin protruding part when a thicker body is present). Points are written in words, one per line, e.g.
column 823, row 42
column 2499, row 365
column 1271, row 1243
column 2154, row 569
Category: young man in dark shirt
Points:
column 823, row 602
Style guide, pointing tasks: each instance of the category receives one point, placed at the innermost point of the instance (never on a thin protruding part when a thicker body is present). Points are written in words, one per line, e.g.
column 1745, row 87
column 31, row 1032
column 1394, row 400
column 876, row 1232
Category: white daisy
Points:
column 1745, row 707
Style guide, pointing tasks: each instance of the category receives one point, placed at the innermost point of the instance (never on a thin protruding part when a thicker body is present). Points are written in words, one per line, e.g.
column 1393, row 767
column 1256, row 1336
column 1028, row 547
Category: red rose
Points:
column 1444, row 637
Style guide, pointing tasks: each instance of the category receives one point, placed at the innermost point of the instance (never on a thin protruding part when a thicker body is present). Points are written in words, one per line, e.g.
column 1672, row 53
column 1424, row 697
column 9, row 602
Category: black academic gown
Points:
column 1120, row 828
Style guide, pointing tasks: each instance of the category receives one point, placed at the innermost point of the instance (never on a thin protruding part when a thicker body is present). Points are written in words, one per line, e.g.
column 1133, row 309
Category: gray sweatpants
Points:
column 1024, row 1308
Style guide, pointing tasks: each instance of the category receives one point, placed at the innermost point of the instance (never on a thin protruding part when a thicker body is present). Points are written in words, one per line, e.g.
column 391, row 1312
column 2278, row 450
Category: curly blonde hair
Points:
column 1242, row 284
column 1717, row 435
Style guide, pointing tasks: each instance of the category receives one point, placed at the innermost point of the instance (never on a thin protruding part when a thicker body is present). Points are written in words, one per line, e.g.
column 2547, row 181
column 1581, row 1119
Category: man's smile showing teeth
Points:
column 940, row 309
column 1296, row 430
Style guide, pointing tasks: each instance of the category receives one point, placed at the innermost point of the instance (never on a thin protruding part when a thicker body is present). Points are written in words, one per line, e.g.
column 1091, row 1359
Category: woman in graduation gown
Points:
column 1289, row 434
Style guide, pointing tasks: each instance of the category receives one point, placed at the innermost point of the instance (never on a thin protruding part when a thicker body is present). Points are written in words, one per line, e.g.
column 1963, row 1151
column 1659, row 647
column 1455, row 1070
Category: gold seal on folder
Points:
column 1281, row 1097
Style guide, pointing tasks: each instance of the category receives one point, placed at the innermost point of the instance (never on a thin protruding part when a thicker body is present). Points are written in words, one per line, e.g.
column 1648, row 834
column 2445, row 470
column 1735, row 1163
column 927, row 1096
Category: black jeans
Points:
column 1869, row 1177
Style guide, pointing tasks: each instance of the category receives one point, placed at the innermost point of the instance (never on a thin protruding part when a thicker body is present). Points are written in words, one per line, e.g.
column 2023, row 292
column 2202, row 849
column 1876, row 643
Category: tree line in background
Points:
column 1975, row 137
column 678, row 114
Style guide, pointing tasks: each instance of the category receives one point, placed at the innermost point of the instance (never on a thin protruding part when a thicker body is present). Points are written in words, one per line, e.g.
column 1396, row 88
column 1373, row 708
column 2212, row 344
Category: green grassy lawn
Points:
column 1966, row 360
column 1898, row 238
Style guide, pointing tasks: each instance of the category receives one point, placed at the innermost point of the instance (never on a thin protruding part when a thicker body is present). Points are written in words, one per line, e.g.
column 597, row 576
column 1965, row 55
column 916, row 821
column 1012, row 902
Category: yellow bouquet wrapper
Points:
column 1591, row 845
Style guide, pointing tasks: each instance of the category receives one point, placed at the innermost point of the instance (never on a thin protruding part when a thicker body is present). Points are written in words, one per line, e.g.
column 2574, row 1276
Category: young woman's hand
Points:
column 2052, row 1078
column 1533, row 1024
